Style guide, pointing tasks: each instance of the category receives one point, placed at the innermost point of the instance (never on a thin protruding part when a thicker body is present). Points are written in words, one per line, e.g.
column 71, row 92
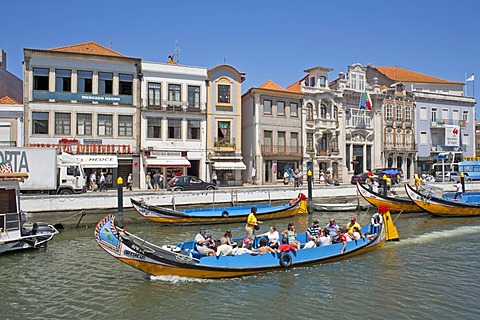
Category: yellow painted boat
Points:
column 395, row 204
column 440, row 206
column 219, row 214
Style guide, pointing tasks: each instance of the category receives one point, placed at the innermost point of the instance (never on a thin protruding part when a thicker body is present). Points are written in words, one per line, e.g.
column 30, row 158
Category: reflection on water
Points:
column 428, row 274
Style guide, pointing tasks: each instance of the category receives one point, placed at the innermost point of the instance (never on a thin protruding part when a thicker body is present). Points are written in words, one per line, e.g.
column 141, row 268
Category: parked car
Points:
column 450, row 176
column 186, row 183
column 361, row 178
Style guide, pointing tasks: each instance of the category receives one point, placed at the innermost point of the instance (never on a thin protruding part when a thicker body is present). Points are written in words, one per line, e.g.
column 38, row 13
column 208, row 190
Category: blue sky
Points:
column 273, row 40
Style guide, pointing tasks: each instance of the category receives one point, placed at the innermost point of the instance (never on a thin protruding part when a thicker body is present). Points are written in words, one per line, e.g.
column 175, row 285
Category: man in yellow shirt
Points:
column 353, row 223
column 252, row 223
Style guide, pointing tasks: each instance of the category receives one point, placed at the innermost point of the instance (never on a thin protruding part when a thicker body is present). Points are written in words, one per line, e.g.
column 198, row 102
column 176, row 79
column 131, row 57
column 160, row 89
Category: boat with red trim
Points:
column 396, row 204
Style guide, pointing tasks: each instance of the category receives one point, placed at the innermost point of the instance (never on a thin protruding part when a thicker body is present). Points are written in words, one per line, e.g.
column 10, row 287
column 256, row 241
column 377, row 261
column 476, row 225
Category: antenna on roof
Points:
column 224, row 60
column 177, row 51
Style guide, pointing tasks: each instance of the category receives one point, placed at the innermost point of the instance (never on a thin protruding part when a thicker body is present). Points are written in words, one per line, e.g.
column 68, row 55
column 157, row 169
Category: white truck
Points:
column 48, row 172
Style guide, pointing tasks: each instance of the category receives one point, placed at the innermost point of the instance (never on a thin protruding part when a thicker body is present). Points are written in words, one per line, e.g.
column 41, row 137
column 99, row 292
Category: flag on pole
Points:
column 365, row 101
column 471, row 78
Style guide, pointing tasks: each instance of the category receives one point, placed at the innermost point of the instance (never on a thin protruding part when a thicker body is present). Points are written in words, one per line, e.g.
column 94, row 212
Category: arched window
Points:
column 389, row 137
column 399, row 137
column 335, row 113
column 323, row 111
column 309, row 112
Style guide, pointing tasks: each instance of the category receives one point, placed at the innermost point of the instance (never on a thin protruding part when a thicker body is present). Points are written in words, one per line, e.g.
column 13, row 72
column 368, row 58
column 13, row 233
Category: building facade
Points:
column 173, row 120
column 271, row 133
column 85, row 99
column 224, row 125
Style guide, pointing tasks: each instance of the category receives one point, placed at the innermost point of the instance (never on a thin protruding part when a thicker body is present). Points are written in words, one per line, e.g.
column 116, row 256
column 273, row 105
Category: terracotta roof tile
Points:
column 270, row 85
column 297, row 86
column 404, row 75
column 88, row 48
column 8, row 100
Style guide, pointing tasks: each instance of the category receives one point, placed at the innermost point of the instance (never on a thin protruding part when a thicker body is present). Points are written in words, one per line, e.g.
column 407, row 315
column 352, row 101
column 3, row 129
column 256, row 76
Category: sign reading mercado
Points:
column 82, row 97
column 452, row 135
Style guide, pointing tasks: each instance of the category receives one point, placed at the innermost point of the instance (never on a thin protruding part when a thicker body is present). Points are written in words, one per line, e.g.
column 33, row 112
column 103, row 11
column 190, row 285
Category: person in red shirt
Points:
column 285, row 247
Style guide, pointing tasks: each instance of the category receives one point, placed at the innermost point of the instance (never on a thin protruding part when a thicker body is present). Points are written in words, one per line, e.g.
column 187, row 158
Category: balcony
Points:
column 224, row 145
column 88, row 148
column 326, row 124
column 177, row 106
column 444, row 148
column 270, row 150
column 440, row 123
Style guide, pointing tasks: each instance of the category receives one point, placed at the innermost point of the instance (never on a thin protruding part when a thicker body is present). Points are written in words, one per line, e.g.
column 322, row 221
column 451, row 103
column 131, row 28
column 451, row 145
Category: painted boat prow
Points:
column 395, row 204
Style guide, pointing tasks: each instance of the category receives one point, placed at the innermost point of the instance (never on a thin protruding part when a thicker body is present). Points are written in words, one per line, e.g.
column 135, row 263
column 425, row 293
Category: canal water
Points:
column 432, row 273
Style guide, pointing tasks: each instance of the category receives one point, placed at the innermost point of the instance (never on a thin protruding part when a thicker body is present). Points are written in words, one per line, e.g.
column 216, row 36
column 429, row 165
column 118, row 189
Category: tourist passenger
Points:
column 228, row 236
column 323, row 238
column 224, row 249
column 459, row 190
column 344, row 238
column 285, row 247
column 353, row 223
column 272, row 236
column 312, row 233
column 291, row 235
column 332, row 228
column 204, row 243
column 357, row 234
column 246, row 248
column 252, row 223
column 264, row 248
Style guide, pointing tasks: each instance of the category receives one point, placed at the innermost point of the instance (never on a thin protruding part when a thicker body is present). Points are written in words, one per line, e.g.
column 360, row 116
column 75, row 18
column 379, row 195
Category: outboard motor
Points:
column 40, row 228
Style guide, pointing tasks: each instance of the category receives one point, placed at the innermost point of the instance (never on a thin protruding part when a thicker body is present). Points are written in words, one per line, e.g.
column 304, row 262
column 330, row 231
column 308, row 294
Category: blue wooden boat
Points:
column 184, row 260
column 219, row 214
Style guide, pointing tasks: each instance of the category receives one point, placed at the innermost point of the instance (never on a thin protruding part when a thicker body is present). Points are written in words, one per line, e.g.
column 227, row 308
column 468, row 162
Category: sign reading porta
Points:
column 97, row 161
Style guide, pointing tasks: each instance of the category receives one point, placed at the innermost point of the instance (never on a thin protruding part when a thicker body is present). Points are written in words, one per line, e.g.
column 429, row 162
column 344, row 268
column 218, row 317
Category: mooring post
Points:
column 120, row 201
column 310, row 207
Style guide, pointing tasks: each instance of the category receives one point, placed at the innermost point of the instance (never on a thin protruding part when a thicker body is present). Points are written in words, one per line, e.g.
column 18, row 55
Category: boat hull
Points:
column 442, row 207
column 335, row 207
column 178, row 261
column 393, row 204
column 219, row 215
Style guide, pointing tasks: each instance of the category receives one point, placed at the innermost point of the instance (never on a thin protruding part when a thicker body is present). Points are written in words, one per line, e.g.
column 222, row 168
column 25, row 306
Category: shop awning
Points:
column 169, row 162
column 229, row 165
column 98, row 161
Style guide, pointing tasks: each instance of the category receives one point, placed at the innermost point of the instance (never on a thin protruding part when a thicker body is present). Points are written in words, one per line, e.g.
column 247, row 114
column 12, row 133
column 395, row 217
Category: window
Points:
column 309, row 112
column 293, row 110
column 466, row 139
column 174, row 92
column 267, row 138
column 294, row 142
column 267, row 106
column 465, row 116
column 408, row 114
column 408, row 138
column 281, row 141
column 399, row 113
column 154, row 94
column 398, row 137
column 40, row 78
column 223, row 132
column 105, row 83
column 224, row 93
column 63, row 80
column 423, row 138
column 309, row 142
column 105, row 125
column 193, row 130
column 125, row 126
column 154, row 128
column 445, row 114
column 389, row 137
column 125, row 84
column 361, row 82
column 312, row 81
column 84, row 124
column 455, row 115
column 281, row 108
column 323, row 81
column 423, row 113
column 174, row 129
column 62, row 123
column 323, row 111
column 353, row 81
column 84, row 81
column 433, row 114
column 40, row 122
column 389, row 112
column 193, row 97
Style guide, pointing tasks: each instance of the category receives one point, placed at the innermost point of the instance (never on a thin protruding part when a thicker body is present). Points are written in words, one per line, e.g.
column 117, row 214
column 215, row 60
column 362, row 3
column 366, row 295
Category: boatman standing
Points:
column 459, row 190
column 252, row 224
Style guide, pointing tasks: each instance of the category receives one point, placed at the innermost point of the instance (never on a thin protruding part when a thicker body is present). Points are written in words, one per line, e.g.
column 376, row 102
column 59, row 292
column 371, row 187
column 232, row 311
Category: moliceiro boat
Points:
column 184, row 260
column 440, row 206
column 15, row 234
column 396, row 204
column 335, row 206
column 219, row 214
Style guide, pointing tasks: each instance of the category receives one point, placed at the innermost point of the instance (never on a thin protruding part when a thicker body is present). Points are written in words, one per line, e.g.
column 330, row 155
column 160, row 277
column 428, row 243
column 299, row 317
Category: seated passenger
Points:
column 285, row 247
column 224, row 249
column 344, row 238
column 228, row 236
column 264, row 248
column 353, row 223
column 332, row 228
column 291, row 235
column 246, row 248
column 323, row 239
column 313, row 230
column 357, row 234
column 273, row 237
column 204, row 243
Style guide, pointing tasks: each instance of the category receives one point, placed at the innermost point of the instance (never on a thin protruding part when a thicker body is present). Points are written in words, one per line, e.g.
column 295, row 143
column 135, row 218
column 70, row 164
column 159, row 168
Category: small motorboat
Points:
column 184, row 260
column 396, row 204
column 443, row 207
column 335, row 206
column 15, row 234
column 219, row 214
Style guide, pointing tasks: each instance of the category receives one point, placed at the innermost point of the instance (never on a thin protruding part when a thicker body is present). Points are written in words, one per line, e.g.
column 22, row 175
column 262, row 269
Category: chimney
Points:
column 3, row 59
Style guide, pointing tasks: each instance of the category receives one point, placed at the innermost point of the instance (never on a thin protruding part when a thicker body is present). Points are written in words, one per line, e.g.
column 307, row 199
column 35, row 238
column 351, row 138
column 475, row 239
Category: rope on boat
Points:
column 82, row 212
column 397, row 216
